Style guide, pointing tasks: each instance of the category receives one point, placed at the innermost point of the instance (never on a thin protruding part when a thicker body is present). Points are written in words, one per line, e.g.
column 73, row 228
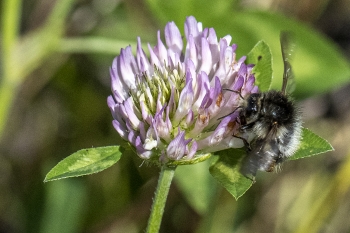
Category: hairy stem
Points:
column 165, row 178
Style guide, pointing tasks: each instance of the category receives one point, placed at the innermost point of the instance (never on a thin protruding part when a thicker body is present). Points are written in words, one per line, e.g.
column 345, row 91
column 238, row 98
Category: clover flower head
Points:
column 170, row 106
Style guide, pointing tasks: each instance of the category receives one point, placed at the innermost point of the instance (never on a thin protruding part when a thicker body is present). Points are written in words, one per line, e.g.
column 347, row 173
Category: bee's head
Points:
column 252, row 106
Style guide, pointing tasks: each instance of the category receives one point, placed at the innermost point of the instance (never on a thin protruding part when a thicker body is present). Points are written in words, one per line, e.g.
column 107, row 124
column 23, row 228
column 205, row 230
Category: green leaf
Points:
column 311, row 145
column 85, row 162
column 316, row 58
column 194, row 179
column 226, row 170
column 261, row 56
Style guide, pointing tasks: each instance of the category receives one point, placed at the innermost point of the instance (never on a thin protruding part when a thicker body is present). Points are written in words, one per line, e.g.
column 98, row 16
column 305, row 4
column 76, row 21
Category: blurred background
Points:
column 55, row 59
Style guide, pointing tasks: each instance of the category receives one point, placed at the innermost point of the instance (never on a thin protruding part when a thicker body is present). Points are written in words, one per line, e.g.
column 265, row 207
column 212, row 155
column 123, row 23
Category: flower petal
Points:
column 206, row 65
column 142, row 61
column 173, row 38
column 185, row 101
column 192, row 28
column 192, row 151
column 128, row 67
column 177, row 147
column 161, row 51
column 183, row 90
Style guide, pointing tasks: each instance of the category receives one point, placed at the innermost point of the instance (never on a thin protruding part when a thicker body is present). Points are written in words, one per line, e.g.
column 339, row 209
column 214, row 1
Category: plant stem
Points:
column 10, row 17
column 92, row 45
column 165, row 178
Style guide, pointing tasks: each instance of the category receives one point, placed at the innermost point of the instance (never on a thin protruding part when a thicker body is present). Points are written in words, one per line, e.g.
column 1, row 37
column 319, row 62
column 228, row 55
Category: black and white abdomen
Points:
column 263, row 157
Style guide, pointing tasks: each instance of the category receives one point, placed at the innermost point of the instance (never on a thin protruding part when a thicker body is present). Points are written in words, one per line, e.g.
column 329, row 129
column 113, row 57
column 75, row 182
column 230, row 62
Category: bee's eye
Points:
column 252, row 107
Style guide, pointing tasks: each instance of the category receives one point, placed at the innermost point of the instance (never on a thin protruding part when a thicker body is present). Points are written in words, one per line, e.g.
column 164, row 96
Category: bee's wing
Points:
column 287, row 48
column 271, row 135
column 258, row 157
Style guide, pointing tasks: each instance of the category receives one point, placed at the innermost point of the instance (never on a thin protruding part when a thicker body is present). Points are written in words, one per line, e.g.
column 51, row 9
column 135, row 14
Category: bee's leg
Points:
column 280, row 158
column 246, row 143
column 271, row 168
column 251, row 178
column 248, row 174
column 246, row 127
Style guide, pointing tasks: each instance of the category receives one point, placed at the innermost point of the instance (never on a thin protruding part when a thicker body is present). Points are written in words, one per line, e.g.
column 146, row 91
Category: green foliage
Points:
column 316, row 59
column 65, row 200
column 311, row 145
column 23, row 56
column 85, row 162
column 261, row 57
column 226, row 170
column 201, row 182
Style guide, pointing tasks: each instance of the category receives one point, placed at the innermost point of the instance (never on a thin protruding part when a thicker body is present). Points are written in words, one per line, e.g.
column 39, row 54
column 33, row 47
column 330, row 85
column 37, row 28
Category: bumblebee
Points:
column 275, row 120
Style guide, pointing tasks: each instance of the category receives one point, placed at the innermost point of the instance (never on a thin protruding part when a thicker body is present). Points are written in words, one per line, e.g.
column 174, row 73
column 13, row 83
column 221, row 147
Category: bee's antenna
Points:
column 237, row 92
column 240, row 95
column 229, row 113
